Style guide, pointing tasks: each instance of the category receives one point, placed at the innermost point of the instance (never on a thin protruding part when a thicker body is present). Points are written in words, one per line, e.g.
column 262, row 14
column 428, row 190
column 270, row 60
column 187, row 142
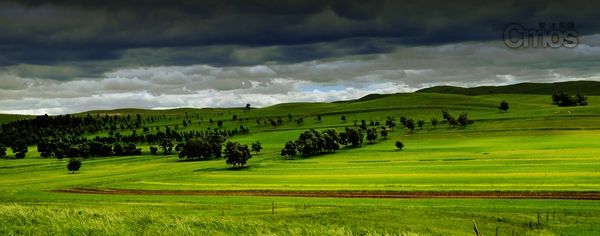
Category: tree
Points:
column 332, row 140
column 363, row 125
column 74, row 165
column 248, row 106
column 118, row 149
column 371, row 135
column 354, row 137
column 343, row 119
column 179, row 147
column 289, row 150
column 19, row 148
column 503, row 106
column 403, row 121
column 581, row 100
column 463, row 119
column 310, row 142
column 256, row 147
column 45, row 149
column 420, row 123
column 197, row 148
column 84, row 150
column 565, row 100
column 452, row 121
column 446, row 115
column 131, row 149
column 72, row 152
column 236, row 155
column 203, row 148
column 2, row 151
column 390, row 122
column 434, row 122
column 153, row 150
column 410, row 124
column 167, row 146
column 399, row 145
column 384, row 132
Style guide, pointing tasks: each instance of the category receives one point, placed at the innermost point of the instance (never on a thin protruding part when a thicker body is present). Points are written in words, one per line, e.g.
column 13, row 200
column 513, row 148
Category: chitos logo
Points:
column 547, row 35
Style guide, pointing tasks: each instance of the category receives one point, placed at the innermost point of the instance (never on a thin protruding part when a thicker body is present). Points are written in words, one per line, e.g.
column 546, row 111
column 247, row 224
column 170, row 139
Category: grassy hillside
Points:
column 4, row 118
column 571, row 87
column 534, row 147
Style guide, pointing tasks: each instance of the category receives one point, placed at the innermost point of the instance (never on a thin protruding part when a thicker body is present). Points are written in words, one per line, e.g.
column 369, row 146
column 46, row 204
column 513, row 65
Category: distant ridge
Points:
column 584, row 87
column 367, row 97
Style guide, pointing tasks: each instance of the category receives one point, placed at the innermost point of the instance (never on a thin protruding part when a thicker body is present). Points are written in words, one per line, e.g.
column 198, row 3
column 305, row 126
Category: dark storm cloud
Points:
column 71, row 33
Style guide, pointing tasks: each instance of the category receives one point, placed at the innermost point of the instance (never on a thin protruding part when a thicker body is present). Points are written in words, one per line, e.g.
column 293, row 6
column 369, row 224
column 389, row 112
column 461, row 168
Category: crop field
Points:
column 533, row 170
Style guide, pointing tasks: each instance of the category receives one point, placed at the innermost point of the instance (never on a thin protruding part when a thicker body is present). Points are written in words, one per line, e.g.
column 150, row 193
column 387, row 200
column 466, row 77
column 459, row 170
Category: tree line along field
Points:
column 533, row 147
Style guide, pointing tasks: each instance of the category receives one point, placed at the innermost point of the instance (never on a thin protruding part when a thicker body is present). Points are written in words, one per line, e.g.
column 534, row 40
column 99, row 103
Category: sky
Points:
column 60, row 57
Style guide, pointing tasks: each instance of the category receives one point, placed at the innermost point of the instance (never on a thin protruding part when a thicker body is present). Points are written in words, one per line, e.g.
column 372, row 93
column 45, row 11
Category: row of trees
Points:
column 73, row 129
column 19, row 148
column 462, row 120
column 204, row 147
column 313, row 142
column 211, row 147
column 60, row 150
column 566, row 100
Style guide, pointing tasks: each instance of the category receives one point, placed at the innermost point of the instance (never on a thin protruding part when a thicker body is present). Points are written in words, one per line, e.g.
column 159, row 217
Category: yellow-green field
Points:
column 531, row 148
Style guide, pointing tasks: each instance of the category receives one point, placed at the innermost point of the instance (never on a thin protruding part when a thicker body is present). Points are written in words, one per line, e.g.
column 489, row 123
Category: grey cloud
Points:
column 104, row 36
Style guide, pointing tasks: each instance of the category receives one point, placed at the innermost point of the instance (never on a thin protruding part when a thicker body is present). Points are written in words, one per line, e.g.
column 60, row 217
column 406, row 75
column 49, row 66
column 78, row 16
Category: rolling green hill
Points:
column 572, row 87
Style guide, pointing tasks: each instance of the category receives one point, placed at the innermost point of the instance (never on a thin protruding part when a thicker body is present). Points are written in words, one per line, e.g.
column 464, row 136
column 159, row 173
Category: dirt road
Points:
column 345, row 194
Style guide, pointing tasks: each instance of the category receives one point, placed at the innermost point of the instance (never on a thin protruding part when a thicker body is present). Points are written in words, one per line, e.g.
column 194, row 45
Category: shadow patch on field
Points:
column 225, row 168
column 368, row 161
column 459, row 159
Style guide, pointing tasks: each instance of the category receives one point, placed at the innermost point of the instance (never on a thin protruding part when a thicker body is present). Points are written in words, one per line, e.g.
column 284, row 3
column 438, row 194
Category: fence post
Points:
column 475, row 228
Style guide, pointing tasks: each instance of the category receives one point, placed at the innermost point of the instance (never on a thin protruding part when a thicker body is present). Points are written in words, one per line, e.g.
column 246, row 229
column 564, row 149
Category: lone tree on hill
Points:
column 503, row 106
column 74, row 165
column 399, row 145
column 256, row 147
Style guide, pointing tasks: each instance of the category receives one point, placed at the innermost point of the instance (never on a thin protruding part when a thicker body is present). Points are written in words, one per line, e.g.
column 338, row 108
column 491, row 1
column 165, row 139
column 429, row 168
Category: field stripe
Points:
column 348, row 194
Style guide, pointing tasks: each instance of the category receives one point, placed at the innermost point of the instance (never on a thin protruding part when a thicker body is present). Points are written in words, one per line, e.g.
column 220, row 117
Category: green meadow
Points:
column 534, row 147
